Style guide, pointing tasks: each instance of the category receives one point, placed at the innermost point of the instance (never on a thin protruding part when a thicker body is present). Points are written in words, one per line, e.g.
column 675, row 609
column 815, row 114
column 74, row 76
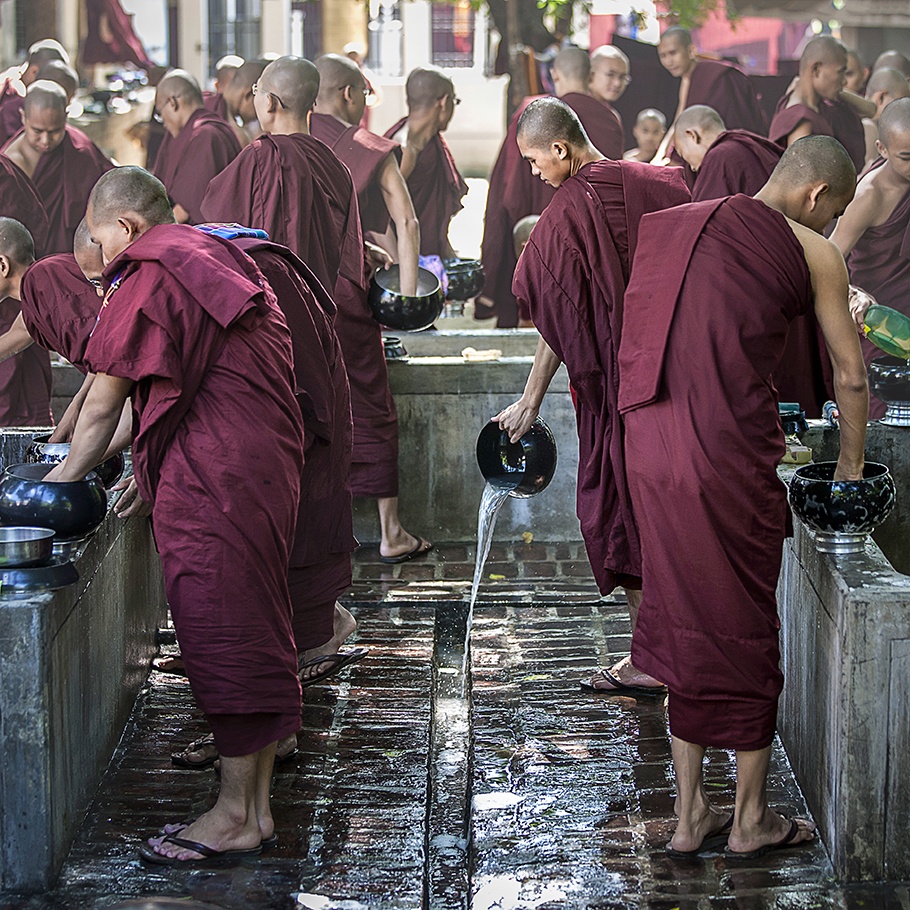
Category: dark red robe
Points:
column 215, row 103
column 218, row 450
column 60, row 307
column 117, row 42
column 301, row 195
column 737, row 162
column 880, row 264
column 187, row 163
column 714, row 288
column 64, row 178
column 847, row 127
column 729, row 91
column 573, row 275
column 19, row 199
column 515, row 192
column 788, row 119
column 436, row 190
column 25, row 380
column 11, row 104
column 363, row 153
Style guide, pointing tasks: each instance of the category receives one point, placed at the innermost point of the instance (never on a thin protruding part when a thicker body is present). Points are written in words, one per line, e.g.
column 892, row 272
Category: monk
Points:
column 383, row 199
column 434, row 182
column 61, row 161
column 19, row 199
column 709, row 82
column 649, row 131
column 25, row 379
column 702, row 444
column 514, row 191
column 190, row 329
column 198, row 146
column 725, row 161
column 895, row 60
column 885, row 85
column 235, row 102
column 63, row 74
column 856, row 75
column 12, row 92
column 873, row 232
column 573, row 275
column 225, row 70
column 609, row 76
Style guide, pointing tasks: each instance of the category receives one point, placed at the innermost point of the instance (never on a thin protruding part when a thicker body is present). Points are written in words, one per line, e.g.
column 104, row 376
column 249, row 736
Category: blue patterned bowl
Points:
column 524, row 468
column 841, row 513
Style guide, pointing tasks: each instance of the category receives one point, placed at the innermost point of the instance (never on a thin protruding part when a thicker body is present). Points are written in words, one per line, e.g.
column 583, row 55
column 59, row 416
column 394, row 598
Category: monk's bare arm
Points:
column 66, row 427
column 181, row 215
column 98, row 421
column 803, row 129
column 15, row 340
column 518, row 417
column 859, row 216
column 859, row 104
column 870, row 128
column 830, row 286
column 407, row 228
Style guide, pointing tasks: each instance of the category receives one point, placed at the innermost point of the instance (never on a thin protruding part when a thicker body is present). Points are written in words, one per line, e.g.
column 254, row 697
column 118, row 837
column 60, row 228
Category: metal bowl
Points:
column 406, row 314
column 21, row 547
column 524, row 468
column 889, row 378
column 71, row 509
column 465, row 278
column 43, row 452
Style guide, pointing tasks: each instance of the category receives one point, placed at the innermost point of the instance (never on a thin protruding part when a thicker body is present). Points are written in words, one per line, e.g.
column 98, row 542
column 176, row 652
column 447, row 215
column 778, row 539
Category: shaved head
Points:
column 180, row 84
column 16, row 243
column 521, row 233
column 336, row 72
column 650, row 113
column 813, row 160
column 238, row 93
column 295, row 81
column 608, row 53
column 227, row 65
column 894, row 60
column 130, row 191
column 574, row 64
column 890, row 81
column 64, row 75
column 549, row 120
column 44, row 51
column 246, row 74
column 894, row 121
column 45, row 95
column 87, row 253
column 825, row 50
column 426, row 85
column 700, row 117
column 677, row 34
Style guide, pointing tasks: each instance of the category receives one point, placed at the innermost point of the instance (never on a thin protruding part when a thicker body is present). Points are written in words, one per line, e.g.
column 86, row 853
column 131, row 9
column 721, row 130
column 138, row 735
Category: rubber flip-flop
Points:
column 181, row 762
column 785, row 843
column 620, row 688
column 210, row 856
column 158, row 663
column 423, row 547
column 265, row 843
column 711, row 841
column 338, row 661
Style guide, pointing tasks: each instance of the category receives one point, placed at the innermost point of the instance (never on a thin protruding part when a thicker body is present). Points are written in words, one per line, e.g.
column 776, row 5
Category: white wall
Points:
column 150, row 23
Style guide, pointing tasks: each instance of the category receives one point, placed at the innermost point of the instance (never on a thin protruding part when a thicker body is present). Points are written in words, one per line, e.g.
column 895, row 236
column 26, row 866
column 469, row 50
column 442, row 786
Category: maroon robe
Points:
column 436, row 189
column 11, row 105
column 737, row 162
column 119, row 43
column 573, row 275
column 64, row 179
column 879, row 263
column 19, row 199
column 215, row 103
column 60, row 307
column 301, row 195
column 515, row 192
column 788, row 119
column 847, row 128
column 363, row 153
column 25, row 380
column 218, row 450
column 714, row 288
column 187, row 163
column 729, row 91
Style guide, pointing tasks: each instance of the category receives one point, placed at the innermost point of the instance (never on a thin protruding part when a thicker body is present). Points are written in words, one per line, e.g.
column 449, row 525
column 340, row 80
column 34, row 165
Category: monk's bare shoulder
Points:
column 824, row 259
column 15, row 154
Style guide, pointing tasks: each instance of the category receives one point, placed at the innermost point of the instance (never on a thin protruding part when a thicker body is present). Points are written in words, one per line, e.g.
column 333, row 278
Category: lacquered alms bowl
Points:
column 43, row 452
column 524, row 468
column 889, row 378
column 465, row 278
column 841, row 513
column 396, row 310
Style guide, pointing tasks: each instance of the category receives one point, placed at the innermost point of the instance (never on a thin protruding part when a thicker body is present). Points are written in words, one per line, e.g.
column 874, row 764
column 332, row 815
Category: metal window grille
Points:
column 453, row 34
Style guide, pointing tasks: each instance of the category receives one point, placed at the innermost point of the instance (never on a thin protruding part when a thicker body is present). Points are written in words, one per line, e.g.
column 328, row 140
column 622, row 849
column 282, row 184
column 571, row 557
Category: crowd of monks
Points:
column 217, row 303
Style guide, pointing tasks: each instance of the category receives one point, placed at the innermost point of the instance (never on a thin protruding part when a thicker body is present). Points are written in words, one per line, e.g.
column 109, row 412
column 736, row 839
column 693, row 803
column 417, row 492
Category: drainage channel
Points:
column 448, row 825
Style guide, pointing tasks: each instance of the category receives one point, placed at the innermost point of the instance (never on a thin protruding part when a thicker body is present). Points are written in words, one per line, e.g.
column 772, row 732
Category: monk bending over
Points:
column 703, row 441
column 192, row 333
column 871, row 233
column 573, row 274
column 885, row 85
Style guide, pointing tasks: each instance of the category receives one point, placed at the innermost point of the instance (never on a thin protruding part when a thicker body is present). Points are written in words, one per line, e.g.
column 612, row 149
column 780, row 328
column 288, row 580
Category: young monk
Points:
column 434, row 182
column 385, row 208
column 12, row 96
column 609, row 77
column 191, row 331
column 895, row 60
column 573, row 274
column 198, row 146
column 702, row 444
column 885, row 85
column 235, row 102
column 521, row 233
column 856, row 75
column 61, row 161
column 872, row 232
column 649, row 131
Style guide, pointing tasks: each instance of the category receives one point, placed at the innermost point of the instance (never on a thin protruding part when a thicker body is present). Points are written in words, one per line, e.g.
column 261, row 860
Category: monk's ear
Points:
column 881, row 149
column 130, row 226
column 5, row 266
column 560, row 150
column 817, row 193
column 694, row 135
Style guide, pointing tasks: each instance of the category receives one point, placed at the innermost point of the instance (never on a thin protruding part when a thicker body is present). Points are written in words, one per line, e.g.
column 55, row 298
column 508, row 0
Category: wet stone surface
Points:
column 409, row 790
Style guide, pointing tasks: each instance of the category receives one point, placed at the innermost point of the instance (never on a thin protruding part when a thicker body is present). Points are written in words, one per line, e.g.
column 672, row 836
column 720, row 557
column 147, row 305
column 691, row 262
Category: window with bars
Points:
column 453, row 34
column 234, row 28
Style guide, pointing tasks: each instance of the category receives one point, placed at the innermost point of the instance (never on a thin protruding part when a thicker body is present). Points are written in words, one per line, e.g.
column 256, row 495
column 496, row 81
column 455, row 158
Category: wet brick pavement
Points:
column 567, row 797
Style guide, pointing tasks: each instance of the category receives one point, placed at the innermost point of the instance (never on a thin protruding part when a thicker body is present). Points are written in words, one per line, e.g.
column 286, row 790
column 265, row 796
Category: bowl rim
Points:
column 800, row 472
column 41, row 533
column 395, row 270
column 8, row 470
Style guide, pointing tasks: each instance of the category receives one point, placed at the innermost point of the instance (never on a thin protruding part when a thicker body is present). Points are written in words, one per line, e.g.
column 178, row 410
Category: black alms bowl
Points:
column 406, row 314
column 845, row 507
column 43, row 452
column 523, row 468
column 70, row 509
column 465, row 278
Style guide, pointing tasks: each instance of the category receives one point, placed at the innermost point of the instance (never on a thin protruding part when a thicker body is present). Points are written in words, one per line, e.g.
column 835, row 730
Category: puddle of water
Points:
column 498, row 800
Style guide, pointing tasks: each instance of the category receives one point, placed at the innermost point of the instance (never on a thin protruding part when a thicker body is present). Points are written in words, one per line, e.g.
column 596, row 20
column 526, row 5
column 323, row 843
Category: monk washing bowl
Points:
column 403, row 312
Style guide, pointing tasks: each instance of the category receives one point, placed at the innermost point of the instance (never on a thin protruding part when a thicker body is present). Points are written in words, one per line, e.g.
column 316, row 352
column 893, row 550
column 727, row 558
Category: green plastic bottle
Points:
column 889, row 330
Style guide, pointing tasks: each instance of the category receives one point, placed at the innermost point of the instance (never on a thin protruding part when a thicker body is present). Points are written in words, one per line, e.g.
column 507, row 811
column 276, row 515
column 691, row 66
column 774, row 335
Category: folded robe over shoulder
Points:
column 11, row 104
column 19, row 199
column 788, row 119
column 847, row 127
column 573, row 275
column 737, row 162
column 25, row 380
column 714, row 288
column 218, row 450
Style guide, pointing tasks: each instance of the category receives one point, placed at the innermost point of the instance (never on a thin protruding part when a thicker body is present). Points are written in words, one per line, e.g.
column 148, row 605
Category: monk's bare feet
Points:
column 172, row 664
column 285, row 748
column 627, row 675
column 343, row 627
column 217, row 830
column 691, row 832
column 403, row 546
column 769, row 830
